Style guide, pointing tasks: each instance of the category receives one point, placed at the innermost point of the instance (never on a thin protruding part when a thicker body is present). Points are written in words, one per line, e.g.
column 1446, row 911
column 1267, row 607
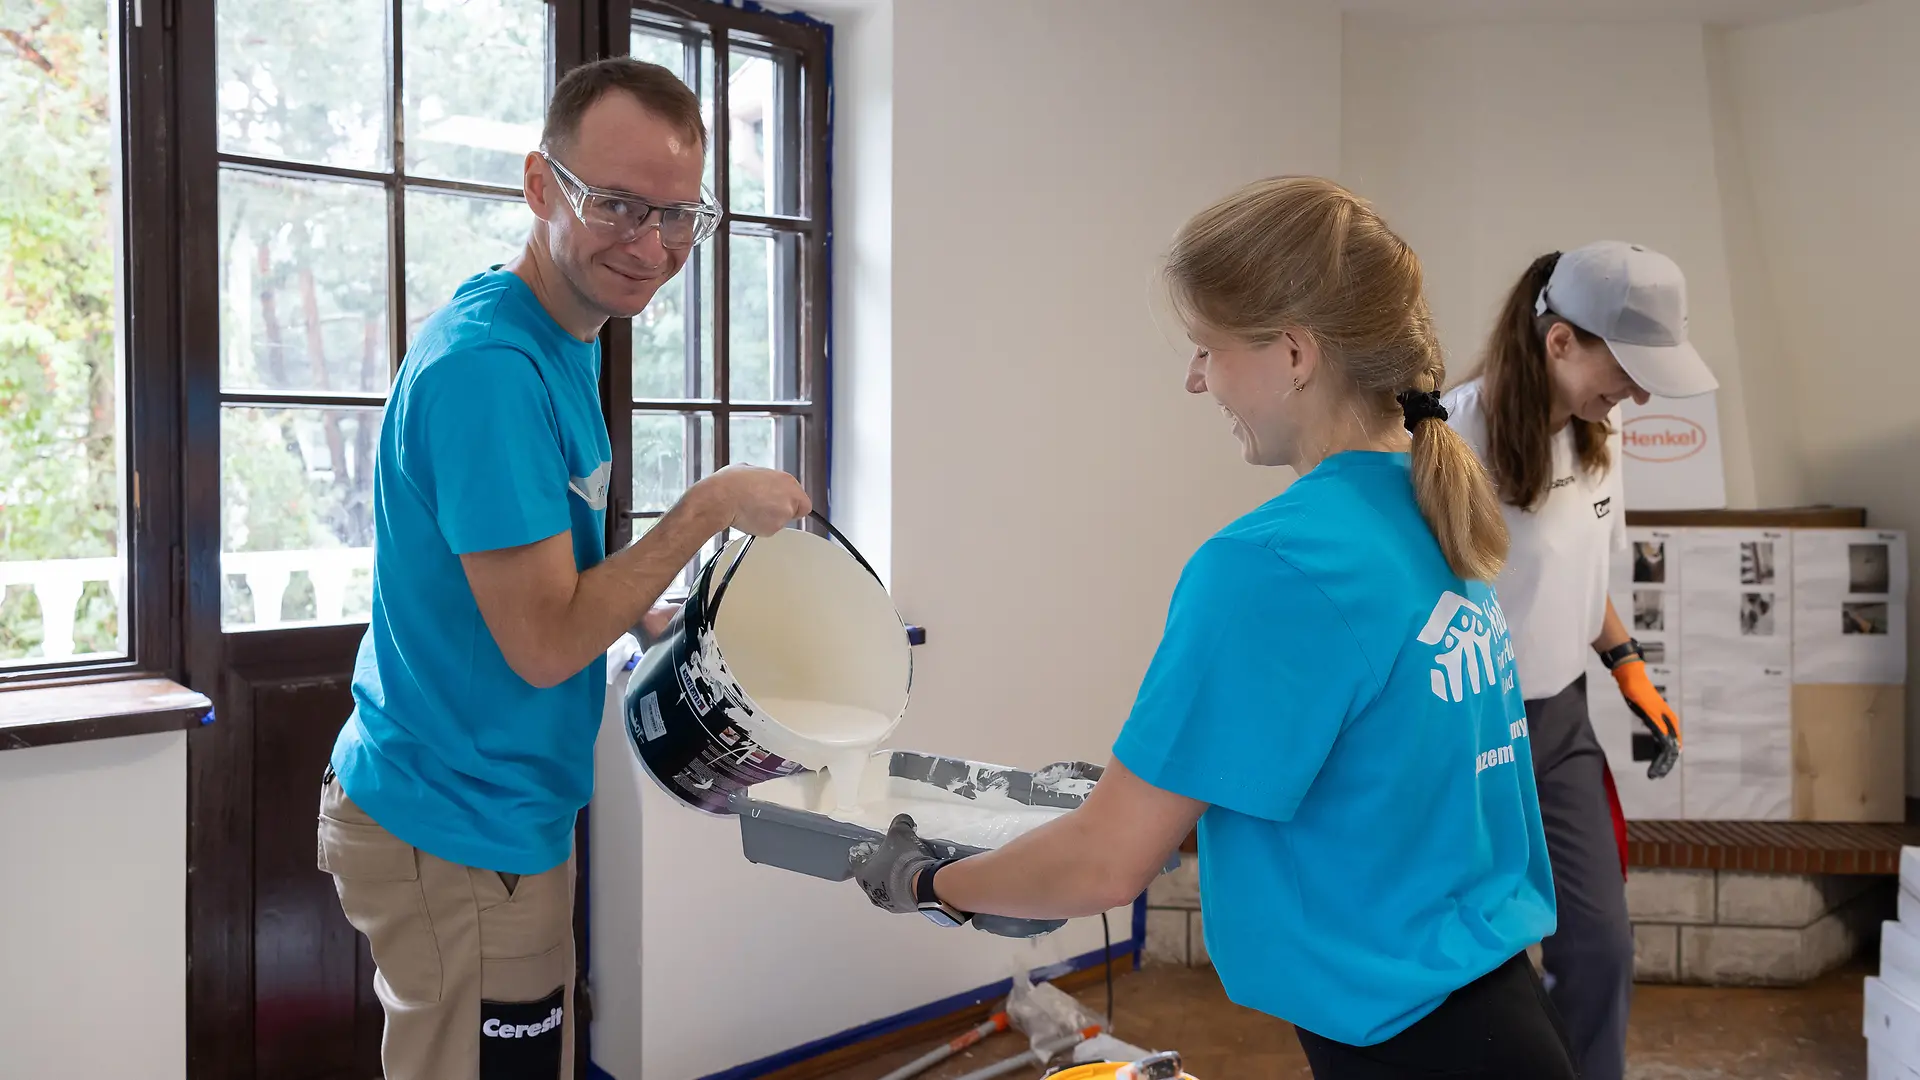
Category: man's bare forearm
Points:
column 610, row 598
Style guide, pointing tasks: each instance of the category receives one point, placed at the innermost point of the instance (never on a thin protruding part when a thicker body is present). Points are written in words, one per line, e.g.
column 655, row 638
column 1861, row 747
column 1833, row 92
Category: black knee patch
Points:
column 522, row 1040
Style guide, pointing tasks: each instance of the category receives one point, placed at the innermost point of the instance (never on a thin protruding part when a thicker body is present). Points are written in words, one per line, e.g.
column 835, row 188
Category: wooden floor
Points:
column 1678, row 1033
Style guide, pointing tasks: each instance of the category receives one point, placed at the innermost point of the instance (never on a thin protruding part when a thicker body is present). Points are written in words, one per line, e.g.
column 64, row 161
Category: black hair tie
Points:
column 1420, row 405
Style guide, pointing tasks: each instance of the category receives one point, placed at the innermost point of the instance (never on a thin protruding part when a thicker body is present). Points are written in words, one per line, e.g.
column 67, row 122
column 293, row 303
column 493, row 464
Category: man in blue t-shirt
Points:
column 446, row 815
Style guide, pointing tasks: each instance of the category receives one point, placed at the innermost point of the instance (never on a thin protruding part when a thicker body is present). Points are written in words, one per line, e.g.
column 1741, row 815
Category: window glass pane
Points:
column 764, row 332
column 450, row 238
column 704, row 74
column 751, row 115
column 303, row 284
column 475, row 77
column 62, row 568
column 771, row 442
column 304, row 81
column 663, row 366
column 670, row 452
column 296, row 514
column 658, row 48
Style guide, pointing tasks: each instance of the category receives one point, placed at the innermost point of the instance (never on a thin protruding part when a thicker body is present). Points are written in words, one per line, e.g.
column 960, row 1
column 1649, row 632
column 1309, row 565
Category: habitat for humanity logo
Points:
column 1465, row 637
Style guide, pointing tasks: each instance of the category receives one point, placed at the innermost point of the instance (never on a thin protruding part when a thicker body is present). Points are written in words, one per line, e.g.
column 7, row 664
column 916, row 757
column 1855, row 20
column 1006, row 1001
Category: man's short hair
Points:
column 657, row 89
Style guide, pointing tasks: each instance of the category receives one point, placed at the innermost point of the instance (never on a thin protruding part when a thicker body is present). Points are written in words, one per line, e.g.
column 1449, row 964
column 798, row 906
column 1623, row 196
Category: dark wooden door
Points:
column 285, row 985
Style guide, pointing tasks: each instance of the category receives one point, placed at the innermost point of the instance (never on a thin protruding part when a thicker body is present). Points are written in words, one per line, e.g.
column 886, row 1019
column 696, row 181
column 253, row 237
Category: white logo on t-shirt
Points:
column 1464, row 660
column 593, row 487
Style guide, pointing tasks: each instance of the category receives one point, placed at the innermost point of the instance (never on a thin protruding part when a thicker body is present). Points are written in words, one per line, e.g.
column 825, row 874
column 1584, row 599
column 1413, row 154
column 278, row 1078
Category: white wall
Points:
column 1050, row 476
column 1488, row 144
column 93, row 894
column 1828, row 113
column 1012, row 440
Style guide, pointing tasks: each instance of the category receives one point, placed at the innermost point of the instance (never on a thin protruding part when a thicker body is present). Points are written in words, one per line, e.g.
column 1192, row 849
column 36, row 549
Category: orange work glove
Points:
column 1644, row 699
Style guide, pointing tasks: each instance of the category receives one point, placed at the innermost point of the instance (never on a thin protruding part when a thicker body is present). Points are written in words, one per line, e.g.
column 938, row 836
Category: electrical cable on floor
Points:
column 1106, row 932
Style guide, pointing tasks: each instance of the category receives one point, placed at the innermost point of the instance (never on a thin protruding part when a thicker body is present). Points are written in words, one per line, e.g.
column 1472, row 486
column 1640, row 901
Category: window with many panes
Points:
column 728, row 363
column 370, row 160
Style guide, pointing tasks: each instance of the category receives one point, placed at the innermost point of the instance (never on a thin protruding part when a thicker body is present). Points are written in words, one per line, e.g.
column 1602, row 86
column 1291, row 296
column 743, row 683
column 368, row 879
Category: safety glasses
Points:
column 622, row 216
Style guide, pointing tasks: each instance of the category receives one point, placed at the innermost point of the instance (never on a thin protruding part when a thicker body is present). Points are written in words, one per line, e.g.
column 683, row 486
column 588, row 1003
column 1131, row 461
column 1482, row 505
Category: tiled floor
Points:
column 1678, row 1033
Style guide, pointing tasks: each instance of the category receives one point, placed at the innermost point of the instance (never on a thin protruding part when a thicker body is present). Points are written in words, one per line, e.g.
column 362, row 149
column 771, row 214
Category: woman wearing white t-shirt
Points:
column 1580, row 333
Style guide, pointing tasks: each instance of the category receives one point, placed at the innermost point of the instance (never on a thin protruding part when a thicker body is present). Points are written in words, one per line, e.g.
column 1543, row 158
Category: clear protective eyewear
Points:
column 624, row 215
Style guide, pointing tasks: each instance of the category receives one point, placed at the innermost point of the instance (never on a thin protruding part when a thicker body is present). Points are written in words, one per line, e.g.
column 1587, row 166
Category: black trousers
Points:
column 1498, row 1027
column 1589, row 958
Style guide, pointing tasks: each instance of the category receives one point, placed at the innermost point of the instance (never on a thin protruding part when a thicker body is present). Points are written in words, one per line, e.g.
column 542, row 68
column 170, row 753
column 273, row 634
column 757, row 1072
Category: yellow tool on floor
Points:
column 1164, row 1066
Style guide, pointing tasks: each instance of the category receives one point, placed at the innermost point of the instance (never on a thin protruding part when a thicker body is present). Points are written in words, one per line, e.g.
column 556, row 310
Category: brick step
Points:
column 1773, row 847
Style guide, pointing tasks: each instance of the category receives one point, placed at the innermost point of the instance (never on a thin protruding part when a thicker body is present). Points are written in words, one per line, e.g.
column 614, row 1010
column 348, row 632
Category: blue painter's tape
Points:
column 1140, row 928
column 207, row 719
column 944, row 1007
column 595, row 1072
column 916, row 635
column 632, row 662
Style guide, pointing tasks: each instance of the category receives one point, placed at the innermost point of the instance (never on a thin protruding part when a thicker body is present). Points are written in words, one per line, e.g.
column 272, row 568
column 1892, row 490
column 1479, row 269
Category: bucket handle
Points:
column 711, row 609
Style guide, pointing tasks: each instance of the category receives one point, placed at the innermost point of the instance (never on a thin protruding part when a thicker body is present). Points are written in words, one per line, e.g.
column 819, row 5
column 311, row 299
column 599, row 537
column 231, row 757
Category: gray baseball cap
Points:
column 1634, row 299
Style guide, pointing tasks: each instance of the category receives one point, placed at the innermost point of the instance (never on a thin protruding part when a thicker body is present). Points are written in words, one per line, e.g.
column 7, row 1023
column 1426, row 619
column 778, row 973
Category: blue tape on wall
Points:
column 1139, row 929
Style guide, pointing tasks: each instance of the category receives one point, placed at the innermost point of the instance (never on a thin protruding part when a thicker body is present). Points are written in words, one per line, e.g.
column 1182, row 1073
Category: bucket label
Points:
column 692, row 690
column 651, row 723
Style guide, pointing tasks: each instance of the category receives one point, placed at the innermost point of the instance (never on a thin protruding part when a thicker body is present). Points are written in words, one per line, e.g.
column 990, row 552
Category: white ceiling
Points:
column 1708, row 11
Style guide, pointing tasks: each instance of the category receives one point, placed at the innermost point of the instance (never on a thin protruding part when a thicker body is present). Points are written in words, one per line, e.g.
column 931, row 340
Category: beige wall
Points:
column 93, row 909
column 1488, row 144
column 1828, row 112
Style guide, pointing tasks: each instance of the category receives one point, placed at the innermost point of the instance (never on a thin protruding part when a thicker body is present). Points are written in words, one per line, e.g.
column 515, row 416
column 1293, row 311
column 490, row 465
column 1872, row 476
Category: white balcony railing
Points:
column 59, row 583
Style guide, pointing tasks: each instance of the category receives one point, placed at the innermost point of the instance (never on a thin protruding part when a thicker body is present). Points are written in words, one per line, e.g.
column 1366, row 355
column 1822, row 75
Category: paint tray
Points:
column 778, row 829
column 782, row 823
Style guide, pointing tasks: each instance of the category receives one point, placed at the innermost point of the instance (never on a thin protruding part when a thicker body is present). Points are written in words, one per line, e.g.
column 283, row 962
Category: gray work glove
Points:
column 886, row 870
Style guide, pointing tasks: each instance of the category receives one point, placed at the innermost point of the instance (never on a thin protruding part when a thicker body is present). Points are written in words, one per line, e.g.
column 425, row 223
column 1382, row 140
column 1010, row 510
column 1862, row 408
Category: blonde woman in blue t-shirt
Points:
column 1334, row 700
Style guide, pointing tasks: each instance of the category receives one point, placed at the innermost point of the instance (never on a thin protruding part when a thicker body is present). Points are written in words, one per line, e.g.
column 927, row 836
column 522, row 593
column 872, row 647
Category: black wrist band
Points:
column 1621, row 653
column 923, row 889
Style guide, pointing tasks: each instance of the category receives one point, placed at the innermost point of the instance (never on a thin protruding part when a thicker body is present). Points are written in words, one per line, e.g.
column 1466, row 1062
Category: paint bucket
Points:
column 794, row 617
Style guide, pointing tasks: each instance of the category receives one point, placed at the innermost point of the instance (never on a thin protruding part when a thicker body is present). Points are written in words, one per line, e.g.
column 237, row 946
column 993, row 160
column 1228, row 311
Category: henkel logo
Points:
column 1662, row 438
column 494, row 1029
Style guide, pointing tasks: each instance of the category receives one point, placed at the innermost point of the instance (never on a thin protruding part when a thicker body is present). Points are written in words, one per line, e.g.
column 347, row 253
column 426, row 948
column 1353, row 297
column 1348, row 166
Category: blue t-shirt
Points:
column 1348, row 709
column 493, row 438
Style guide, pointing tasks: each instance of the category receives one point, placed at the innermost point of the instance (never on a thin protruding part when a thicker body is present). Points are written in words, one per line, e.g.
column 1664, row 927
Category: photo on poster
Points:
column 1649, row 562
column 1868, row 569
column 1654, row 652
column 1863, row 617
column 1756, row 562
column 1756, row 614
column 1649, row 609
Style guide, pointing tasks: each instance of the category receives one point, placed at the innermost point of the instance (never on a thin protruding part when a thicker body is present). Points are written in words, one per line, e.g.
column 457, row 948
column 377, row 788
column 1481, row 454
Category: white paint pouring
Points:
column 846, row 735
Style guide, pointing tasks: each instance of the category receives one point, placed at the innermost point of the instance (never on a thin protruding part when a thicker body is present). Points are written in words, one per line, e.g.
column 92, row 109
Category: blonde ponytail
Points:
column 1457, row 499
column 1305, row 253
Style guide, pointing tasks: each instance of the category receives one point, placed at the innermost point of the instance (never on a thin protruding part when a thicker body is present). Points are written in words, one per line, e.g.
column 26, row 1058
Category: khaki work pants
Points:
column 475, row 968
